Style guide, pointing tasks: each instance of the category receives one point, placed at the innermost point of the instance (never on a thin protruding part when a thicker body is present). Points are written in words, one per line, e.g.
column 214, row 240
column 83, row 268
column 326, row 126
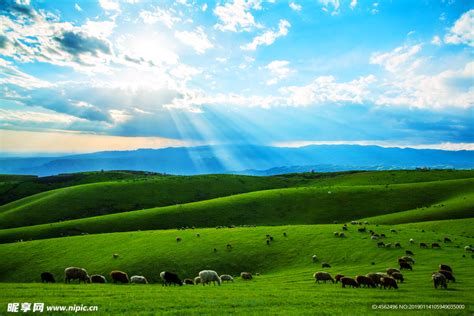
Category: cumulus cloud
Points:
column 167, row 17
column 295, row 7
column 268, row 37
column 236, row 16
column 197, row 39
column 78, row 43
column 279, row 70
column 400, row 57
column 462, row 32
column 110, row 5
column 436, row 40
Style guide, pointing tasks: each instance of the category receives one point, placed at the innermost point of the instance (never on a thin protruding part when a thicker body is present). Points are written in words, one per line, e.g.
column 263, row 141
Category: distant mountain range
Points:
column 244, row 159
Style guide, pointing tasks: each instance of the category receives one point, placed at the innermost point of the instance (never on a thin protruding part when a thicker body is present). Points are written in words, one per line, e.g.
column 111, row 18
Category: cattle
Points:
column 392, row 270
column 208, row 276
column 439, row 280
column 47, row 277
column 397, row 245
column 366, row 281
column 188, row 281
column 138, row 279
column 389, row 282
column 405, row 266
column 197, row 280
column 449, row 275
column 325, row 265
column 322, row 276
column 381, row 244
column 445, row 267
column 170, row 278
column 398, row 276
column 97, row 278
column 362, row 230
column 315, row 258
column 74, row 273
column 119, row 276
column 408, row 259
column 227, row 278
column 349, row 282
column 435, row 245
column 246, row 276
column 423, row 245
column 338, row 277
column 409, row 253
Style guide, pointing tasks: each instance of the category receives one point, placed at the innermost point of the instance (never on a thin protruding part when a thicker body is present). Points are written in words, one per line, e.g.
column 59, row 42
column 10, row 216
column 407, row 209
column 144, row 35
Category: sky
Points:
column 84, row 76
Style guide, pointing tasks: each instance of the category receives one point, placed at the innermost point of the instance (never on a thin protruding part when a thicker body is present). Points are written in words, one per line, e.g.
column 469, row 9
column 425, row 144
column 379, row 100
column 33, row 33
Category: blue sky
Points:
column 79, row 76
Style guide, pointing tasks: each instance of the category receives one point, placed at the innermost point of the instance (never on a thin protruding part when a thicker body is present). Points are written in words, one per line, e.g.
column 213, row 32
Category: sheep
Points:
column 322, row 276
column 388, row 245
column 268, row 242
column 445, row 268
column 412, row 241
column 170, row 278
column 285, row 235
column 208, row 276
column 449, row 276
column 381, row 244
column 246, row 276
column 393, row 231
column 389, row 282
column 226, row 278
column 197, row 280
column 198, row 235
column 338, row 277
column 366, row 223
column 446, row 239
column 342, row 235
column 257, row 274
column 315, row 258
column 229, row 247
column 468, row 248
column 398, row 276
column 349, row 282
column 97, row 278
column 336, row 234
column 115, row 255
column 373, row 237
column 409, row 253
column 119, row 276
column 325, row 265
column 74, row 273
column 382, row 235
column 408, row 259
column 405, row 266
column 439, row 280
column 178, row 239
column 392, row 270
column 138, row 279
column 344, row 227
column 362, row 230
column 435, row 245
column 366, row 281
column 188, row 281
column 398, row 245
column 423, row 245
column 47, row 277
column 375, row 277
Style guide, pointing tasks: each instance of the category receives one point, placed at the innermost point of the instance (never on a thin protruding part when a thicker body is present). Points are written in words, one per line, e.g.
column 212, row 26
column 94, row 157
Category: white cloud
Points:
column 279, row 70
column 109, row 5
column 335, row 4
column 196, row 39
column 100, row 28
column 462, row 32
column 77, row 7
column 295, row 7
column 235, row 16
column 204, row 7
column 268, row 37
column 436, row 40
column 353, row 4
column 221, row 59
column 400, row 57
column 160, row 15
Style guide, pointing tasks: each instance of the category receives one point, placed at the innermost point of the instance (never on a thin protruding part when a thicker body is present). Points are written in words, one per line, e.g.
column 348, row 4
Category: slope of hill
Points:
column 305, row 205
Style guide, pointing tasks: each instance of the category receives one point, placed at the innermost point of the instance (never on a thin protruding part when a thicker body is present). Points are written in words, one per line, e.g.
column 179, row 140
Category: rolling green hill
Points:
column 301, row 205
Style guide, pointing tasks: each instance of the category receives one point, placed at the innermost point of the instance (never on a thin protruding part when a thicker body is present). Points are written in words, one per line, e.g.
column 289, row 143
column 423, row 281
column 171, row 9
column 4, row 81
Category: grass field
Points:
column 425, row 206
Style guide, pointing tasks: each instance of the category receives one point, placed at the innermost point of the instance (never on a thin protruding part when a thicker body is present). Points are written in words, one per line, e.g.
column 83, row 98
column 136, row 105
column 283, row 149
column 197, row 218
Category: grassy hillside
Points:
column 285, row 265
column 120, row 196
column 305, row 205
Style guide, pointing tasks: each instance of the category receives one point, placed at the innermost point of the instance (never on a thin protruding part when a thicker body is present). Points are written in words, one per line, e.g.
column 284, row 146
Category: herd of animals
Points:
column 388, row 279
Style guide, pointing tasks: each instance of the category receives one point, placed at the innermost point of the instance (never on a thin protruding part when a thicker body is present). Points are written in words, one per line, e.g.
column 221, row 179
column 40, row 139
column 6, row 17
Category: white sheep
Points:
column 208, row 276
column 226, row 277
column 138, row 279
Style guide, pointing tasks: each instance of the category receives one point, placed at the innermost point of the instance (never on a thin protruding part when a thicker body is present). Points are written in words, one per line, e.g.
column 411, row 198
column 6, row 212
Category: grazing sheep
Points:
column 342, row 235
column 468, row 248
column 246, row 276
column 393, row 231
column 446, row 239
column 227, row 278
column 349, row 282
column 439, row 280
column 397, row 245
column 388, row 245
column 178, row 239
column 398, row 276
column 405, row 266
column 365, row 281
column 315, row 258
column 208, row 276
column 412, row 241
column 47, row 277
column 74, row 273
column 97, row 278
column 268, row 242
column 229, row 247
column 382, row 235
column 198, row 235
column 435, row 245
column 170, row 278
column 336, row 234
column 362, row 230
column 409, row 253
column 344, row 228
column 375, row 277
column 188, row 281
column 115, row 255
column 392, row 270
column 257, row 274
column 138, row 279
column 445, row 268
column 408, row 259
column 423, row 245
column 338, row 277
column 119, row 276
column 373, row 237
column 285, row 235
column 389, row 282
column 322, row 276
column 449, row 275
column 381, row 244
column 197, row 280
column 325, row 265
